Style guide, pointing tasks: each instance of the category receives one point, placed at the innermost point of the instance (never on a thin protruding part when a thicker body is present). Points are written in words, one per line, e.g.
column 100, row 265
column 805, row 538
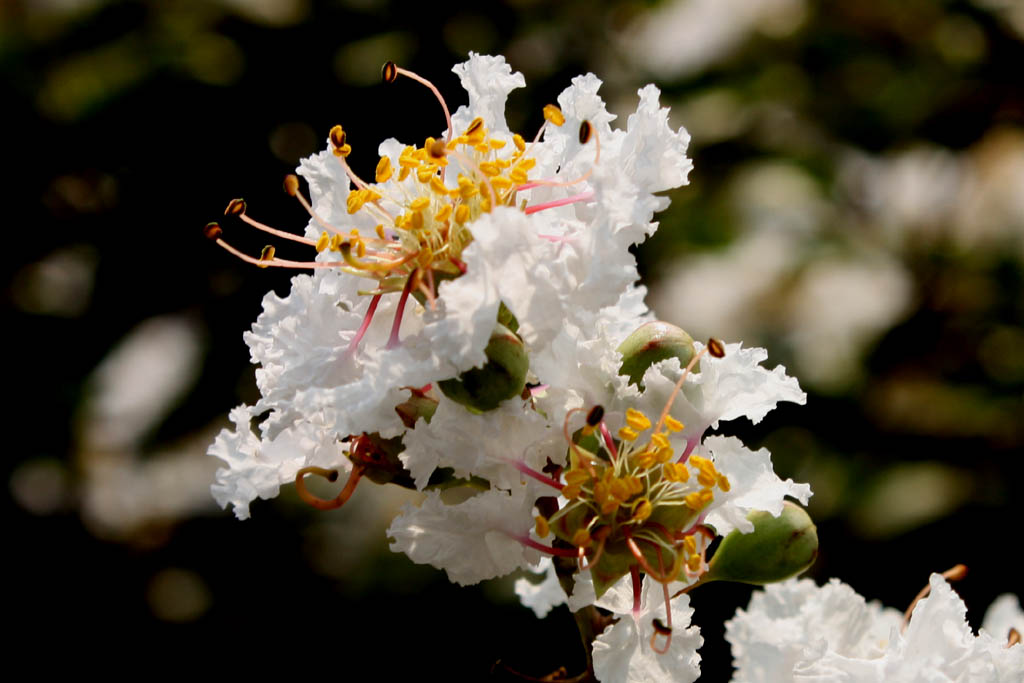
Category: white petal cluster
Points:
column 796, row 631
column 559, row 261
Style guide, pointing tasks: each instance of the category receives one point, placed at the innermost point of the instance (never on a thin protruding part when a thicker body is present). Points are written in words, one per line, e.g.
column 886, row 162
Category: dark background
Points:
column 883, row 137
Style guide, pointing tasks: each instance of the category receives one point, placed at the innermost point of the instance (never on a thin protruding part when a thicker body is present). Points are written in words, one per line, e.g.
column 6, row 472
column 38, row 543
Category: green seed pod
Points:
column 777, row 548
column 502, row 377
column 650, row 343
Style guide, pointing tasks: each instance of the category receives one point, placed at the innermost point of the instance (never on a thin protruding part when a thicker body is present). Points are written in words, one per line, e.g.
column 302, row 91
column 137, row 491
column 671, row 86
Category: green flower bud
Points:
column 777, row 548
column 502, row 377
column 417, row 406
column 650, row 343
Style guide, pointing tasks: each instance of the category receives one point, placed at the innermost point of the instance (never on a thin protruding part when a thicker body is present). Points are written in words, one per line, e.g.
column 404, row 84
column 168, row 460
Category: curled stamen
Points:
column 601, row 535
column 329, row 475
column 635, row 550
column 390, row 74
column 955, row 573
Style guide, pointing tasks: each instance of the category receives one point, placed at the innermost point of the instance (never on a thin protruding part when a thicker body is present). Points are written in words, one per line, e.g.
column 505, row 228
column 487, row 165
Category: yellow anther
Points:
column 527, row 164
column 542, row 527
column 361, row 248
column 576, row 477
column 425, row 173
column 437, row 186
column 673, row 424
column 674, row 471
column 581, row 539
column 266, row 255
column 419, row 203
column 415, row 220
column 389, row 72
column 627, row 434
column 323, row 242
column 503, row 163
column 482, row 147
column 338, row 137
column 384, row 170
column 436, row 150
column 495, row 143
column 518, row 176
column 642, row 510
column 660, row 440
column 693, row 562
column 500, row 182
column 554, row 114
column 620, row 489
column 723, row 483
column 665, row 454
column 403, row 174
column 407, row 159
column 442, row 215
column 343, row 151
column 519, row 142
column 706, row 479
column 461, row 214
column 212, row 231
column 355, row 201
column 689, row 545
column 699, row 461
column 236, row 207
column 637, row 420
column 694, row 501
column 475, row 126
column 380, row 231
column 571, row 492
column 636, row 485
column 716, row 348
column 645, row 459
column 336, row 241
column 489, row 168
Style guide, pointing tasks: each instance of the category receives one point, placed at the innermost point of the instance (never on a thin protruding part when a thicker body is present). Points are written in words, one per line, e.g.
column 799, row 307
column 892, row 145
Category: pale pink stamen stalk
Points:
column 365, row 324
column 274, row 231
column 540, row 388
column 530, row 543
column 582, row 197
column 393, row 340
column 568, row 183
column 678, row 386
column 430, row 289
column 276, row 262
column 320, row 221
column 691, row 443
column 668, row 618
column 437, row 94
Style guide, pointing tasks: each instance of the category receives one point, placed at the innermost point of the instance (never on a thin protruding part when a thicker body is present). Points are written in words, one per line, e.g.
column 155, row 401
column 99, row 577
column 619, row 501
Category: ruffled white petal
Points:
column 544, row 596
column 473, row 540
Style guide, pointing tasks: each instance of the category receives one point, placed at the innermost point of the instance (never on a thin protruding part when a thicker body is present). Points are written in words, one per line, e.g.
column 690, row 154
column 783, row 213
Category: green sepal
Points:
column 650, row 343
column 502, row 377
column 777, row 548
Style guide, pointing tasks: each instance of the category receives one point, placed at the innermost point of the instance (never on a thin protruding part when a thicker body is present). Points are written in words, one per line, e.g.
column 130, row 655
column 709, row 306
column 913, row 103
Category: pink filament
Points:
column 582, row 197
column 365, row 325
column 530, row 472
column 393, row 340
column 609, row 443
column 530, row 543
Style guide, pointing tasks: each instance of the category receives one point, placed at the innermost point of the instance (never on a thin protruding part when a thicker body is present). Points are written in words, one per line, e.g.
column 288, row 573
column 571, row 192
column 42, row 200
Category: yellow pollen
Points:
column 496, row 143
column 689, row 545
column 437, row 186
column 442, row 215
column 693, row 501
column 554, row 114
column 642, row 510
column 693, row 563
column 675, row 471
column 336, row 241
column 519, row 142
column 645, row 459
column 660, row 440
column 542, row 527
column 403, row 174
column 571, row 492
column 673, row 424
column 581, row 539
column 343, row 151
column 461, row 214
column 723, row 483
column 620, row 490
column 500, row 182
column 627, row 434
column 416, row 220
column 291, row 184
column 380, row 231
column 482, row 147
column 518, row 176
column 406, row 158
column 706, row 479
column 419, row 203
column 489, row 168
column 637, row 420
column 665, row 454
column 323, row 242
column 384, row 170
column 361, row 248
column 424, row 173
column 475, row 126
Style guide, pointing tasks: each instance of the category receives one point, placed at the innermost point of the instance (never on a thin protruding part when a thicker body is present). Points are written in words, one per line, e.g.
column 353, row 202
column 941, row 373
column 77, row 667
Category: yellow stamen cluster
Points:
column 431, row 230
column 637, row 492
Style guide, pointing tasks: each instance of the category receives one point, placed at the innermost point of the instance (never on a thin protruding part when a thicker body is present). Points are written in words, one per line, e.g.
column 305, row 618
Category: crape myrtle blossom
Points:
column 331, row 352
column 483, row 259
column 798, row 631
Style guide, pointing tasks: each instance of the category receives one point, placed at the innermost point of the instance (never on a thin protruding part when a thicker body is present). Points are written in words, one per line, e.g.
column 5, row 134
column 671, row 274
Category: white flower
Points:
column 624, row 652
column 544, row 596
column 473, row 540
column 797, row 631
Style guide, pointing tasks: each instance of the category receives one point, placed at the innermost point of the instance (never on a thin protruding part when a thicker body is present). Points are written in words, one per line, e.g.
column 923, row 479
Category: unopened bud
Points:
column 650, row 343
column 777, row 548
column 502, row 377
column 417, row 406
